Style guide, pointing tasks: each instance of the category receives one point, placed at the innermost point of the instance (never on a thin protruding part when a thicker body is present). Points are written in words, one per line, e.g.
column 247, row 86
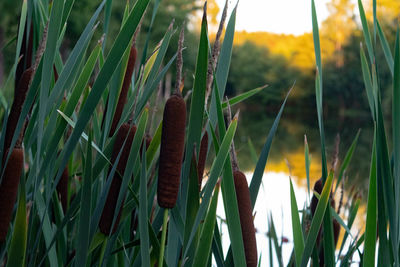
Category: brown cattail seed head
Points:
column 16, row 108
column 171, row 151
column 246, row 218
column 108, row 212
column 9, row 189
column 202, row 157
column 124, row 90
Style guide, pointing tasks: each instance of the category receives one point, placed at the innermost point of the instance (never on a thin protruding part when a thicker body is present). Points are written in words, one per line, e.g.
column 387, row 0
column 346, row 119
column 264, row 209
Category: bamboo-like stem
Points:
column 163, row 237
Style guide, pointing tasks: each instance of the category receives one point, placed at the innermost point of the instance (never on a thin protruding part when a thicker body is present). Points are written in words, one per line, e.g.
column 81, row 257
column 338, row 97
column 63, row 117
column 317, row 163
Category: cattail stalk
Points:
column 125, row 132
column 9, row 189
column 212, row 63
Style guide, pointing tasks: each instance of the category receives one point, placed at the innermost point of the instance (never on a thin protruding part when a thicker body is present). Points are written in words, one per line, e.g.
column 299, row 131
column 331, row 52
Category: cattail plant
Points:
column 171, row 148
column 126, row 131
column 9, row 189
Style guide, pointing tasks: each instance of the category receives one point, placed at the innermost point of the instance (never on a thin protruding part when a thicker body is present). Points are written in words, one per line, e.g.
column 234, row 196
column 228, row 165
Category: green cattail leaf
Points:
column 204, row 247
column 253, row 153
column 317, row 220
column 367, row 82
column 319, row 88
column 47, row 229
column 76, row 53
column 143, row 216
column 154, row 146
column 215, row 172
column 191, row 208
column 396, row 125
column 242, row 97
column 274, row 237
column 296, row 227
column 229, row 196
column 367, row 35
column 197, row 105
column 307, row 165
column 154, row 78
column 262, row 160
column 352, row 215
column 121, row 43
column 385, row 180
column 347, row 159
column 107, row 16
column 84, row 217
column 17, row 250
column 386, row 48
column 370, row 226
column 22, row 23
column 67, row 10
column 54, row 27
column 84, row 135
